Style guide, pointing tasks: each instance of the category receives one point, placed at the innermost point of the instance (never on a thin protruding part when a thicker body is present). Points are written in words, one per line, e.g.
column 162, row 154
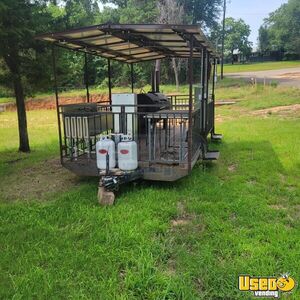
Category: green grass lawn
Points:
column 185, row 240
column 252, row 67
column 6, row 100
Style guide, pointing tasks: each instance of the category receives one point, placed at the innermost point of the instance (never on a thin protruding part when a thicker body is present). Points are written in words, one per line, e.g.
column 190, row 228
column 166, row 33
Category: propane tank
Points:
column 105, row 146
column 127, row 154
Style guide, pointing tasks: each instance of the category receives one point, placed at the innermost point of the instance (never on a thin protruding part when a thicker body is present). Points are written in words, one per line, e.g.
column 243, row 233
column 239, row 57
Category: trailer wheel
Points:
column 105, row 198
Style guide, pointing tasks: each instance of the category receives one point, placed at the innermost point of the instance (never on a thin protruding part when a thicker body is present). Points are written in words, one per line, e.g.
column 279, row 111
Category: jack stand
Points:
column 105, row 197
column 215, row 137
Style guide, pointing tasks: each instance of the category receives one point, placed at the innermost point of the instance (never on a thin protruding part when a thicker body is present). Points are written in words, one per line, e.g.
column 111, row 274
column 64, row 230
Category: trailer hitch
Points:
column 113, row 182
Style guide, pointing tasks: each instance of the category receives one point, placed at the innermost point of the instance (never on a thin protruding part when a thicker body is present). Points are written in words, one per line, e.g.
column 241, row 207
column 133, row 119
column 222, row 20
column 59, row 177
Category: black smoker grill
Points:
column 151, row 102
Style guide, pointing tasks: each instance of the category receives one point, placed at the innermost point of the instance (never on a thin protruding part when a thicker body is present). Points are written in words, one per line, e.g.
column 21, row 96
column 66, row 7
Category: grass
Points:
column 42, row 127
column 187, row 240
column 252, row 67
column 6, row 100
column 256, row 97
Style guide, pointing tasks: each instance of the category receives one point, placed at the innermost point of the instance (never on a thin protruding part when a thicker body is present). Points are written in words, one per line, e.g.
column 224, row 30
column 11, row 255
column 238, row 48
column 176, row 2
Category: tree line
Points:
column 280, row 31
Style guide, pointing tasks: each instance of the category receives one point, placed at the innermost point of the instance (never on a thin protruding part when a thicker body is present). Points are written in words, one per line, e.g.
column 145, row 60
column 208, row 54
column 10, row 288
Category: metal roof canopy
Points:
column 132, row 43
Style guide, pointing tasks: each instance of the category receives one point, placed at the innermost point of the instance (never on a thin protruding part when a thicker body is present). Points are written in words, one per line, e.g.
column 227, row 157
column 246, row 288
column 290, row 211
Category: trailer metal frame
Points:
column 136, row 43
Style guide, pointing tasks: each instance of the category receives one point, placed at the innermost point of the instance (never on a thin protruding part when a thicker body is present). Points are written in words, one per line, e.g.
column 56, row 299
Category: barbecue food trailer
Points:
column 147, row 135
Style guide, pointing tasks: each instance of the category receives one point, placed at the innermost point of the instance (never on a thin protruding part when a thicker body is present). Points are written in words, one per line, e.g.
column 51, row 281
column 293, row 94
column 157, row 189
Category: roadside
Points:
column 261, row 66
column 286, row 77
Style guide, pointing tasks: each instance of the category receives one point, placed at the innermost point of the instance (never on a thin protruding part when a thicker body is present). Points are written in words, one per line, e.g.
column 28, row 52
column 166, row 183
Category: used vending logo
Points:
column 267, row 287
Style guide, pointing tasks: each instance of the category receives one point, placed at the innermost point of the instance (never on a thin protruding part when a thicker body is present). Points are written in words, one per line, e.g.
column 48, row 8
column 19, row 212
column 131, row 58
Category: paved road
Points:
column 287, row 77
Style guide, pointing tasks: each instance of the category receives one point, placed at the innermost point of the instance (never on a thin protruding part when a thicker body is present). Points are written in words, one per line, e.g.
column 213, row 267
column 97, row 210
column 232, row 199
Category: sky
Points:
column 253, row 13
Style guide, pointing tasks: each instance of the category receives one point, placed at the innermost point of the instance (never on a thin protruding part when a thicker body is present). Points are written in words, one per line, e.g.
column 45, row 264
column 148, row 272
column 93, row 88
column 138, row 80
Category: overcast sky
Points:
column 253, row 12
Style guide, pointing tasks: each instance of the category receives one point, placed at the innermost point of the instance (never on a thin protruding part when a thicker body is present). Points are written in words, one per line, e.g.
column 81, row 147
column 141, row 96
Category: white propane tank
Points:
column 103, row 147
column 127, row 154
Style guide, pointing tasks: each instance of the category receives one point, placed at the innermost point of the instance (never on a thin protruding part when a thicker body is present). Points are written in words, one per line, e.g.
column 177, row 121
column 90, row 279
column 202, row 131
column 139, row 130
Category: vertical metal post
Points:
column 190, row 138
column 208, row 74
column 132, row 78
column 202, row 67
column 203, row 90
column 223, row 40
column 86, row 78
column 57, row 103
column 181, row 141
column 109, row 79
column 149, row 141
column 213, row 95
column 214, row 79
column 206, row 88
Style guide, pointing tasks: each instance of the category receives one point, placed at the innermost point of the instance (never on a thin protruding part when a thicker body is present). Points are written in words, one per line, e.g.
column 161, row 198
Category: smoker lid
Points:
column 133, row 43
column 155, row 97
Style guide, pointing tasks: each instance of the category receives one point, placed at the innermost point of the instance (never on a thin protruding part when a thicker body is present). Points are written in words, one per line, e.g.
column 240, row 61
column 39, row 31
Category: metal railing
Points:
column 205, row 106
column 179, row 102
column 162, row 136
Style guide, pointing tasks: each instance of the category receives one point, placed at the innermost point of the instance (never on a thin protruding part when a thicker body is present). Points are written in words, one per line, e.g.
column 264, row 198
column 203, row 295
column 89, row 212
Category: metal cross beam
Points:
column 140, row 40
column 95, row 48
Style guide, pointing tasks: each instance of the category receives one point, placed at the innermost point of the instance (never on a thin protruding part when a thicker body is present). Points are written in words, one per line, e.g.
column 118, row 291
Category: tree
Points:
column 170, row 12
column 17, row 23
column 131, row 11
column 202, row 12
column 283, row 27
column 264, row 39
column 80, row 12
column 237, row 33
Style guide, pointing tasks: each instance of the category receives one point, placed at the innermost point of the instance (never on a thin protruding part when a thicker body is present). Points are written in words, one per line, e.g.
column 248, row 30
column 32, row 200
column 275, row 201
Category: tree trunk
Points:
column 175, row 73
column 22, row 119
column 12, row 63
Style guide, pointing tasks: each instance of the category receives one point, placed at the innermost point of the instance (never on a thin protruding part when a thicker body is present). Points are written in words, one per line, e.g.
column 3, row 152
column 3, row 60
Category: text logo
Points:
column 267, row 287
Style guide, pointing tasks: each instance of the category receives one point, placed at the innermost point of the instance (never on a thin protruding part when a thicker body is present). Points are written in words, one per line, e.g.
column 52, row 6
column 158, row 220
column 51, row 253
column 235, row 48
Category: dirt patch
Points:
column 251, row 182
column 232, row 168
column 219, row 119
column 171, row 267
column 186, row 222
column 224, row 103
column 295, row 212
column 183, row 218
column 49, row 102
column 278, row 109
column 199, row 285
column 37, row 182
column 293, row 75
column 277, row 207
column 180, row 222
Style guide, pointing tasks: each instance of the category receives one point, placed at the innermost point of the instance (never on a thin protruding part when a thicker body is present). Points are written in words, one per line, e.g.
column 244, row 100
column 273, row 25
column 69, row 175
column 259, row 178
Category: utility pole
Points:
column 223, row 41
